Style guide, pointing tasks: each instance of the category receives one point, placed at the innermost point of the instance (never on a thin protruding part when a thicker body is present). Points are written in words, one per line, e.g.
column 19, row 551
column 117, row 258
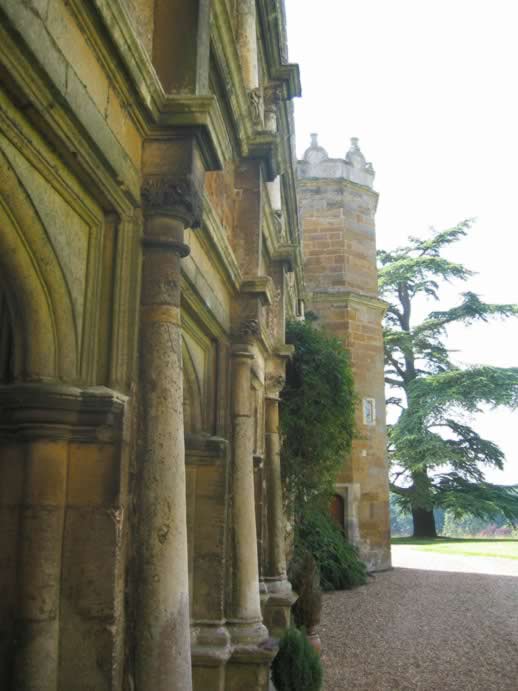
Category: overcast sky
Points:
column 430, row 88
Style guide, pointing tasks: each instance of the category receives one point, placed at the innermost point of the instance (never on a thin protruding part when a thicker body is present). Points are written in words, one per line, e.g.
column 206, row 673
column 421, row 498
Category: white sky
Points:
column 430, row 88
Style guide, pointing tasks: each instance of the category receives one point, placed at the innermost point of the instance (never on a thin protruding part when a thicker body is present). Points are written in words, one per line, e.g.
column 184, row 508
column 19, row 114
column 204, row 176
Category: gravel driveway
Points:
column 444, row 628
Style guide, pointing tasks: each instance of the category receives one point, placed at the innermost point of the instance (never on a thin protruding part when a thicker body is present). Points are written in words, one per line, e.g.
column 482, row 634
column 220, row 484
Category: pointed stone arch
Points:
column 44, row 335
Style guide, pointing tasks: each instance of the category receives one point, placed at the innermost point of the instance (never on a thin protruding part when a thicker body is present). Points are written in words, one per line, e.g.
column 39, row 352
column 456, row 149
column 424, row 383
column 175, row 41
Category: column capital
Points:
column 174, row 196
column 274, row 384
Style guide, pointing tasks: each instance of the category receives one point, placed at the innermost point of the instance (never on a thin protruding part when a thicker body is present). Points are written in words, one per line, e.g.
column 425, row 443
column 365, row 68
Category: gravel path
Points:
column 412, row 629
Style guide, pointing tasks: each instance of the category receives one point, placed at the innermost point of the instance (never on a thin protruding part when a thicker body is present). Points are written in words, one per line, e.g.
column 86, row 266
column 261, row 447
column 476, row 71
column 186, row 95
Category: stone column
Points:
column 281, row 596
column 163, row 660
column 276, row 549
column 247, row 624
column 247, row 42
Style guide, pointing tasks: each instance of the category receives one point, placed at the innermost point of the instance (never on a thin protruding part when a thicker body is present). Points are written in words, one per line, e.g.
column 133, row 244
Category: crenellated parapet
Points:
column 354, row 167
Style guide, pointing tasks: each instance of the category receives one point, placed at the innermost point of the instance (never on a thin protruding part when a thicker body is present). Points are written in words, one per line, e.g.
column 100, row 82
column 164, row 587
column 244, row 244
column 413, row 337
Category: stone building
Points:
column 149, row 258
column 337, row 208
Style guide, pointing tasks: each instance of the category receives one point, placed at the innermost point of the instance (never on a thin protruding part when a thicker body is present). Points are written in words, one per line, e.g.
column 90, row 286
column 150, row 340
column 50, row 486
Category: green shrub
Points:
column 297, row 665
column 305, row 579
column 338, row 562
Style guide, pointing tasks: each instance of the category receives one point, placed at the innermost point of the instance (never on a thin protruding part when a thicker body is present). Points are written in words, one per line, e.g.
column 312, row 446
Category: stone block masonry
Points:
column 338, row 207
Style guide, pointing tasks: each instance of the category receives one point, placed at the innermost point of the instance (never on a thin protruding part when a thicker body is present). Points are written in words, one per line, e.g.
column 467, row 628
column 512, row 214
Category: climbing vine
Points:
column 317, row 416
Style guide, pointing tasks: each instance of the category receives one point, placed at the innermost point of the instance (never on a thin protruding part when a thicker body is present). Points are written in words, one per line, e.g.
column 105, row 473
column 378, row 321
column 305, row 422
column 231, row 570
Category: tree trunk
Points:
column 424, row 523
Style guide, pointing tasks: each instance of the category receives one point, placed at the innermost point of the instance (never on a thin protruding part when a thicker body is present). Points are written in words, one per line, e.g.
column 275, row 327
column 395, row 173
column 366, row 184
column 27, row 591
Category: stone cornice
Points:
column 284, row 351
column 200, row 448
column 287, row 254
column 349, row 298
column 342, row 182
column 270, row 16
column 154, row 108
column 258, row 286
column 265, row 145
column 59, row 411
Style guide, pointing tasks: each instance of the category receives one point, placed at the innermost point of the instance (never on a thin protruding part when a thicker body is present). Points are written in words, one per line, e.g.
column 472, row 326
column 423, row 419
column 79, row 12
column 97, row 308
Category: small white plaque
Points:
column 369, row 411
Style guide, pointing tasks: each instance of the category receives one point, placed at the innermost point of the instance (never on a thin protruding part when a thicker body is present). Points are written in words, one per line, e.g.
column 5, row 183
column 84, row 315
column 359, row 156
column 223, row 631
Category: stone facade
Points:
column 149, row 259
column 337, row 207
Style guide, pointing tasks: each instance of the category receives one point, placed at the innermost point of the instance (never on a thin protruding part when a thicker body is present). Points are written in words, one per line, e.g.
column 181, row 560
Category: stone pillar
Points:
column 276, row 548
column 246, row 602
column 281, row 596
column 163, row 657
column 42, row 523
column 247, row 42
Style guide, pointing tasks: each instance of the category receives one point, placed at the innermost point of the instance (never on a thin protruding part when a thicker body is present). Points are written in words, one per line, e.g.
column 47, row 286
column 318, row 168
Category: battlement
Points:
column 354, row 167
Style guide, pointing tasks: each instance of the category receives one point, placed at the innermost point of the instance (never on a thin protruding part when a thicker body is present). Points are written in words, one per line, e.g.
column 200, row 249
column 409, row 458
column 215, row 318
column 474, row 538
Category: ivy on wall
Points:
column 316, row 415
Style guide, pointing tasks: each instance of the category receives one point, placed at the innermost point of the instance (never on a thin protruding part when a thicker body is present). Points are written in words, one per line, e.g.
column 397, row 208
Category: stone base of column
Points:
column 277, row 608
column 245, row 633
column 210, row 652
column 249, row 666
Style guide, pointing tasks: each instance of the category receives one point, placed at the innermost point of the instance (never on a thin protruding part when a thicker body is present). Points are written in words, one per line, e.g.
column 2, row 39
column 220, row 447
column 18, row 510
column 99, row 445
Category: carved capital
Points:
column 250, row 327
column 275, row 383
column 173, row 196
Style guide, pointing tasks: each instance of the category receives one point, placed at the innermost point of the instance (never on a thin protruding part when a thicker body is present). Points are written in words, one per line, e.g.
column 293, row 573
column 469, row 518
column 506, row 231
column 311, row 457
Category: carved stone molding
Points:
column 286, row 254
column 250, row 327
column 255, row 97
column 258, row 286
column 275, row 383
column 173, row 196
column 59, row 411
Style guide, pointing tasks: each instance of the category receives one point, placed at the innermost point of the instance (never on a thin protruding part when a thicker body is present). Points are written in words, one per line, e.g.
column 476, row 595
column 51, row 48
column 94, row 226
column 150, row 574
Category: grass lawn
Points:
column 468, row 547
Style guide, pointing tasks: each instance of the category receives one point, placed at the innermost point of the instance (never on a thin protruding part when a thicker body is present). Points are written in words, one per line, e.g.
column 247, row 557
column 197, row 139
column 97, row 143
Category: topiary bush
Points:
column 338, row 562
column 297, row 665
column 305, row 579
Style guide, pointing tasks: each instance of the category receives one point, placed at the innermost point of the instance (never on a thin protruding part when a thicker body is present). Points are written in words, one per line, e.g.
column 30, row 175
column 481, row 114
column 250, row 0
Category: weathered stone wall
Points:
column 146, row 267
column 339, row 245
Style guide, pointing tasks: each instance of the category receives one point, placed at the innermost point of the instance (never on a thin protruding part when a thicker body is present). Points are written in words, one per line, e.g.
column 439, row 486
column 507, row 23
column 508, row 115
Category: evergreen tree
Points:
column 436, row 457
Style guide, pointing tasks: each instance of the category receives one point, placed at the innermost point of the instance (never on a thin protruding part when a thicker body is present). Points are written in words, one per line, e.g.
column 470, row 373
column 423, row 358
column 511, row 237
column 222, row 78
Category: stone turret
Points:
column 337, row 207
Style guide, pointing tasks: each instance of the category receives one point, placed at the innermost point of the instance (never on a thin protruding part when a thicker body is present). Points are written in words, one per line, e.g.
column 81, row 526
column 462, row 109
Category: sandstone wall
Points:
column 339, row 246
column 148, row 261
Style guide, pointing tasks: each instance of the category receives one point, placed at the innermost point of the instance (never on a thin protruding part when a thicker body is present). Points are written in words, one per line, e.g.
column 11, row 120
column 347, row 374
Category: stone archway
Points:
column 38, row 353
column 44, row 331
